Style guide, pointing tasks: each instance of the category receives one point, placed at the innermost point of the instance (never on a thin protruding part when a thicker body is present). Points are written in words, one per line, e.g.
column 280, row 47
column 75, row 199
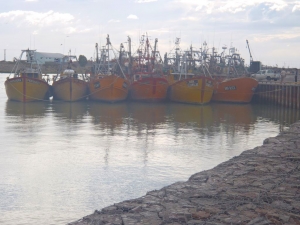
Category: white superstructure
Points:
column 43, row 57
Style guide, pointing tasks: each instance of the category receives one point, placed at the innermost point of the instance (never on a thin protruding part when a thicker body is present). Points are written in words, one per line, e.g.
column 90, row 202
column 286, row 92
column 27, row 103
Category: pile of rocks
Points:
column 260, row 186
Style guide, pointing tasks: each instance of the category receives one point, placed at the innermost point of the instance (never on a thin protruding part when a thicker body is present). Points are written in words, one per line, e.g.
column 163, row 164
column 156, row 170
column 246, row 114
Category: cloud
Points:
column 49, row 18
column 230, row 6
column 145, row 1
column 31, row 0
column 191, row 18
column 134, row 17
column 296, row 7
column 114, row 21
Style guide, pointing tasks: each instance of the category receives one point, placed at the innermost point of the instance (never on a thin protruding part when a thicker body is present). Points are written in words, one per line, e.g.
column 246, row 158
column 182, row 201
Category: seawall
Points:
column 260, row 186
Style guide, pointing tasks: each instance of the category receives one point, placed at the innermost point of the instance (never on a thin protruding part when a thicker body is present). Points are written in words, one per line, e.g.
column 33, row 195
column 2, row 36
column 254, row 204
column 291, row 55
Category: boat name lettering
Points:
column 33, row 81
column 97, row 85
column 229, row 88
column 124, row 85
column 15, row 81
column 192, row 83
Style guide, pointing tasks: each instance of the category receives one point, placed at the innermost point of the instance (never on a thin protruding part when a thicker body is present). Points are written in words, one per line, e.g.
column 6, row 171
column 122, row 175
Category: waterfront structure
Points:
column 43, row 57
column 284, row 94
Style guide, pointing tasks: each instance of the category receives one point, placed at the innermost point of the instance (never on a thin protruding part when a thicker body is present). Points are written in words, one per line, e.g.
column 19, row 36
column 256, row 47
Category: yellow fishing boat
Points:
column 69, row 86
column 28, row 84
column 108, row 88
column 191, row 89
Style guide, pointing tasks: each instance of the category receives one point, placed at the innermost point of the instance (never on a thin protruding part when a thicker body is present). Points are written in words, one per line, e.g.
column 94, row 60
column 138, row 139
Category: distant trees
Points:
column 82, row 60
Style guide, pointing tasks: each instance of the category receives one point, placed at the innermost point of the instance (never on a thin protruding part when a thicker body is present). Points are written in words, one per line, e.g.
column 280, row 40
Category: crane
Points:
column 251, row 59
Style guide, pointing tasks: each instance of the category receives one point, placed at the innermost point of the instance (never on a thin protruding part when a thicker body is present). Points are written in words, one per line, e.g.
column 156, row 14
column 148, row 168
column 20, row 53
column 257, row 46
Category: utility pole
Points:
column 4, row 55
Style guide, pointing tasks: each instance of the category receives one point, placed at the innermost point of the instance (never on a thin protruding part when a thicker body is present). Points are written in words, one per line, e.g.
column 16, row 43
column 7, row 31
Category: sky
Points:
column 272, row 27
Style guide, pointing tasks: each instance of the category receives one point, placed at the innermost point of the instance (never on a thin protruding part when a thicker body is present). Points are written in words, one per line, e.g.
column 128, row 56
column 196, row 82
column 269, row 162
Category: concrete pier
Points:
column 260, row 186
column 283, row 94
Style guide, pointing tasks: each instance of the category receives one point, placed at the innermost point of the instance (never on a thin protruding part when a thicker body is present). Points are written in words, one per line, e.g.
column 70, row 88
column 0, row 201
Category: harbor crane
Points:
column 251, row 59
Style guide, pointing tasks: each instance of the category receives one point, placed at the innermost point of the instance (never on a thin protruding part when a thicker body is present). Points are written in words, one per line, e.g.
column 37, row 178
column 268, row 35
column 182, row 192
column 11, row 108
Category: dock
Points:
column 283, row 94
column 260, row 186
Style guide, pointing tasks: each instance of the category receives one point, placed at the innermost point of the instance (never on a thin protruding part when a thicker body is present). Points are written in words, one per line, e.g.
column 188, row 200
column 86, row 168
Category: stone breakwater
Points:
column 260, row 186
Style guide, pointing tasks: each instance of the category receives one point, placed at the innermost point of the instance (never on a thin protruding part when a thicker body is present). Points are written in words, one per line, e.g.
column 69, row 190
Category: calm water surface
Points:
column 61, row 161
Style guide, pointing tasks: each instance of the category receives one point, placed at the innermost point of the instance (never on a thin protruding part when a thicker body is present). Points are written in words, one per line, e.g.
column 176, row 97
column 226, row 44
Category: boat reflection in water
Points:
column 108, row 115
column 70, row 110
column 148, row 114
column 29, row 121
column 199, row 115
column 135, row 116
column 240, row 114
column 28, row 110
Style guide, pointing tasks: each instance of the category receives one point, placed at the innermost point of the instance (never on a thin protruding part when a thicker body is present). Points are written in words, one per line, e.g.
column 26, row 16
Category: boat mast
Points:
column 129, row 55
column 97, row 56
column 154, row 52
column 108, row 43
column 147, row 52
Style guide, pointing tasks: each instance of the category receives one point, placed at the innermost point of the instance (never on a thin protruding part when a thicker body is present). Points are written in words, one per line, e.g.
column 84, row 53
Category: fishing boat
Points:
column 237, row 90
column 70, row 86
column 192, row 89
column 28, row 83
column 233, row 83
column 148, row 82
column 106, row 84
column 187, row 85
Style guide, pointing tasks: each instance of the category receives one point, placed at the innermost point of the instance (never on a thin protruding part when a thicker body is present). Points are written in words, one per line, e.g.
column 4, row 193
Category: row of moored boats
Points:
column 191, row 76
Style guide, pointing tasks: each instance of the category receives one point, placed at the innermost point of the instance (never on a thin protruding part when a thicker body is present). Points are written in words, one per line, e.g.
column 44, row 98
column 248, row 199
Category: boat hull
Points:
column 196, row 90
column 149, row 89
column 109, row 88
column 237, row 90
column 70, row 89
column 26, row 89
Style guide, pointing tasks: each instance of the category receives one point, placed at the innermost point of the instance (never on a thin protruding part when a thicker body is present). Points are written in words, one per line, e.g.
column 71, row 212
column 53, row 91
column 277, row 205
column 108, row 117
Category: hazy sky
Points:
column 272, row 27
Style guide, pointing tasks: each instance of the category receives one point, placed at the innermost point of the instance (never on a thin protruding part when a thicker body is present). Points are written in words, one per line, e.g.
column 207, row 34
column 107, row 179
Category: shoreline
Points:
column 47, row 68
column 260, row 186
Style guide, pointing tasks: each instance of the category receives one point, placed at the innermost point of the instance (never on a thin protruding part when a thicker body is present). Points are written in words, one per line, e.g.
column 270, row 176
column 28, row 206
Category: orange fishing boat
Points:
column 108, row 88
column 105, row 85
column 238, row 90
column 233, row 83
column 69, row 86
column 28, row 84
column 149, row 87
column 148, row 83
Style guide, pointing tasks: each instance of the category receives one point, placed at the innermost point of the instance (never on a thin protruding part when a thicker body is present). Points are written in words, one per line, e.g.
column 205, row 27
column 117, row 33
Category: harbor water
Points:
column 60, row 161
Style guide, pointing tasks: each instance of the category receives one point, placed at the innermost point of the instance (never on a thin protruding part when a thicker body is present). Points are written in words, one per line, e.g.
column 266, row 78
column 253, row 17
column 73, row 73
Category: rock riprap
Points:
column 260, row 186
